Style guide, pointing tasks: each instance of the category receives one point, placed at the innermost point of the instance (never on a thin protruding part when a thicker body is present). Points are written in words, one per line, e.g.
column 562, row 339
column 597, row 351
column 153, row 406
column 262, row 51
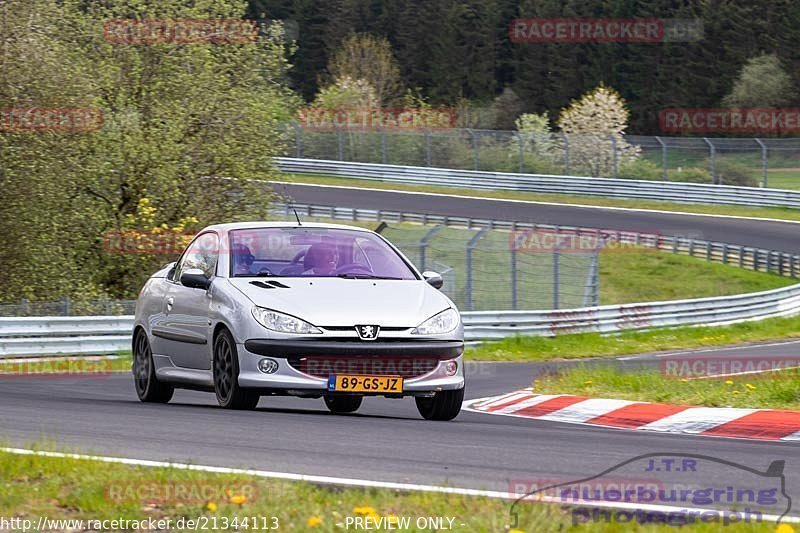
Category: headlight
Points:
column 444, row 322
column 281, row 322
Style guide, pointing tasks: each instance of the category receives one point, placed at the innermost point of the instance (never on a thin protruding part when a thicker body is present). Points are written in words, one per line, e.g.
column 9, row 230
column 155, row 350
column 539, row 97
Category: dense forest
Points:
column 460, row 49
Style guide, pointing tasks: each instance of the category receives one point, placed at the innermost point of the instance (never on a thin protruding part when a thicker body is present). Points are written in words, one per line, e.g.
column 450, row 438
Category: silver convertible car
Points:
column 302, row 309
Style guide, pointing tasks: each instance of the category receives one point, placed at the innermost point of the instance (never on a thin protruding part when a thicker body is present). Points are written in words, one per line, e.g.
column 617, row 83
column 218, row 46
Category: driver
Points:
column 321, row 260
column 242, row 260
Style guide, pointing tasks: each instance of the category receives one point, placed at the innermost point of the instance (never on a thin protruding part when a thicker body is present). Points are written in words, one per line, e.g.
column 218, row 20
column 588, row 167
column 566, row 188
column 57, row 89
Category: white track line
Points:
column 358, row 482
column 711, row 349
column 535, row 202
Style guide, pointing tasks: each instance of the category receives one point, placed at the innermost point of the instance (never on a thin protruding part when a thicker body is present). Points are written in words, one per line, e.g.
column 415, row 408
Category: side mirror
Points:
column 195, row 279
column 433, row 278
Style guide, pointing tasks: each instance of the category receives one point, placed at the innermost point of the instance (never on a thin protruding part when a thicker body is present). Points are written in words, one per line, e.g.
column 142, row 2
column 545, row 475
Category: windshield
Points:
column 314, row 252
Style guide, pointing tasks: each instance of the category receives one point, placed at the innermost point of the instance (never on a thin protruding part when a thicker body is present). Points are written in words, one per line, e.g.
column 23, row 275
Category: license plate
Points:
column 365, row 384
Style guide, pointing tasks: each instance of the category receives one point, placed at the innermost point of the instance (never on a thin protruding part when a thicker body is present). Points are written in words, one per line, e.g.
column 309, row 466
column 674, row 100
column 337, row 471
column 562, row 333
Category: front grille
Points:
column 404, row 366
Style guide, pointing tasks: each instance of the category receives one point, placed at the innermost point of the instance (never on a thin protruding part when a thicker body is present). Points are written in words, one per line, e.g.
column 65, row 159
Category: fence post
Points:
column 428, row 147
column 474, row 147
column 521, row 157
column 763, row 162
column 614, row 153
column 724, row 253
column 712, row 160
column 298, row 136
column 66, row 305
column 383, row 147
column 514, row 276
column 590, row 288
column 470, row 245
column 423, row 244
column 340, row 142
column 566, row 153
column 663, row 159
column 556, row 254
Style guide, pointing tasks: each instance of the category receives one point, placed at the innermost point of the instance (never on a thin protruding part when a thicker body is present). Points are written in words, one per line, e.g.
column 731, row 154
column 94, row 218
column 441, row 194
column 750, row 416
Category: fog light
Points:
column 451, row 368
column 268, row 366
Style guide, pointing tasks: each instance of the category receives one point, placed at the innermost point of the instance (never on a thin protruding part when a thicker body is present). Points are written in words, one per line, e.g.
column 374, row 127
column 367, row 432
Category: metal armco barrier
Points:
column 53, row 335
column 698, row 193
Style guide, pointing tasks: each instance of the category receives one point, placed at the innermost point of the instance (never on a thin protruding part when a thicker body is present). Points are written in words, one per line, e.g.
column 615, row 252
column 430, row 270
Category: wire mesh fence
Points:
column 483, row 270
column 766, row 162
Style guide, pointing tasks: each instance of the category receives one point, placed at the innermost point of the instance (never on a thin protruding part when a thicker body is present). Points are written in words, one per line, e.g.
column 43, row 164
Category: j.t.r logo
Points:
column 368, row 333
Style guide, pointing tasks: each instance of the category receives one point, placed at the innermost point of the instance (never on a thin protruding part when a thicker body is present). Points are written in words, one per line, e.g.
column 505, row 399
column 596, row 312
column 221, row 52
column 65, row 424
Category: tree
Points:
column 369, row 58
column 762, row 82
column 594, row 126
column 185, row 127
column 347, row 93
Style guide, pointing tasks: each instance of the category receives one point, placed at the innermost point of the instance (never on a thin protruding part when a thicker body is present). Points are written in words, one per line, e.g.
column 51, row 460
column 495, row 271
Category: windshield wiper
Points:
column 364, row 276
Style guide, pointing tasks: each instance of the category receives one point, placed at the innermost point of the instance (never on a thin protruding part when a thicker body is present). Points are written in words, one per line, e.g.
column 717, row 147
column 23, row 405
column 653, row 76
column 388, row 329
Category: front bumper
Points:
column 289, row 379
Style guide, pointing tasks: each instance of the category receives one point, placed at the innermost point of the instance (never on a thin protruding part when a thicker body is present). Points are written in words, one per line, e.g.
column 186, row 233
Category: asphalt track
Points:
column 387, row 440
column 772, row 235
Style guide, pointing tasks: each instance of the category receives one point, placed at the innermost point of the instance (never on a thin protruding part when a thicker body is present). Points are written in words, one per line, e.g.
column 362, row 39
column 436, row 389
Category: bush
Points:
column 640, row 169
column 733, row 173
column 691, row 175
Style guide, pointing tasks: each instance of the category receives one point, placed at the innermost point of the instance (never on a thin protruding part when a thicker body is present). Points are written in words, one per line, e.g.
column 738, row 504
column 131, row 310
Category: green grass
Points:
column 583, row 345
column 744, row 211
column 61, row 488
column 776, row 390
column 783, row 179
column 648, row 276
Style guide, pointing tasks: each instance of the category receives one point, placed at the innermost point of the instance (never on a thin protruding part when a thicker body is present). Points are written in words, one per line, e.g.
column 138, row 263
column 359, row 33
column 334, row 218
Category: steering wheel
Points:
column 351, row 267
column 299, row 256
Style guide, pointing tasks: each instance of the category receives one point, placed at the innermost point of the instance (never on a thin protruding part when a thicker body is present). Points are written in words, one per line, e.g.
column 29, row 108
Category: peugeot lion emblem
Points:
column 368, row 333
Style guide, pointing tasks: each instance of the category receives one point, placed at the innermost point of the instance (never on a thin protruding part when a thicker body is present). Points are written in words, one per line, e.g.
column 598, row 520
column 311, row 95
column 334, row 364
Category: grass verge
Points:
column 67, row 366
column 583, row 345
column 64, row 488
column 744, row 211
column 775, row 390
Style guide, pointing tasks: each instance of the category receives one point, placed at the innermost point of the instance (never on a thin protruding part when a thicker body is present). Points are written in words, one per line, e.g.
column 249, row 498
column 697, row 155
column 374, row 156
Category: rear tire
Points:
column 445, row 405
column 226, row 375
column 343, row 404
column 148, row 388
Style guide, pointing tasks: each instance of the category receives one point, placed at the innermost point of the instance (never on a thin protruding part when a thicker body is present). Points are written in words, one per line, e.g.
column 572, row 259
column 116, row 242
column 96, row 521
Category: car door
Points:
column 186, row 329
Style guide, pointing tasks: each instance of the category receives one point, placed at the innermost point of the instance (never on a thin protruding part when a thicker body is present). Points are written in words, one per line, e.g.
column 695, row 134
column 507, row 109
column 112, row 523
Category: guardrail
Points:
column 758, row 259
column 698, row 193
column 97, row 335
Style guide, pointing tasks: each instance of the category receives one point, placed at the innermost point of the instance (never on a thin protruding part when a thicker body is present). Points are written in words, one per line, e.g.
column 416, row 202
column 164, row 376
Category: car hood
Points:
column 347, row 302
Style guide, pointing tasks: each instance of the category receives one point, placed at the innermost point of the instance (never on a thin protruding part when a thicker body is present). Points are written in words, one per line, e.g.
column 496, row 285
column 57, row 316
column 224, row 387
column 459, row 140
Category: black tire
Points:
column 148, row 388
column 226, row 375
column 445, row 405
column 343, row 404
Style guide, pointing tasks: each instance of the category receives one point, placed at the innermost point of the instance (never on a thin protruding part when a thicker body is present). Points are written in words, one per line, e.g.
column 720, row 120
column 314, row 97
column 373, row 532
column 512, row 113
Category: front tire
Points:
column 343, row 404
column 226, row 375
column 148, row 388
column 445, row 405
